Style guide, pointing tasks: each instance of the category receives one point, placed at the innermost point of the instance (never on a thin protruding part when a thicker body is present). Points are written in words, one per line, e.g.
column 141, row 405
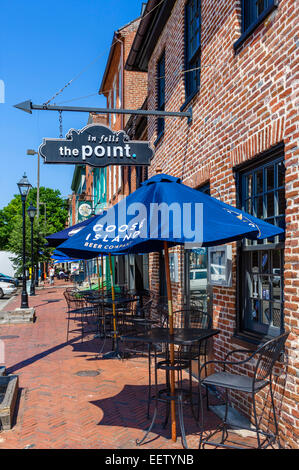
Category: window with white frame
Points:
column 109, row 106
column 114, row 98
column 119, row 177
column 110, row 182
column 119, row 87
column 114, row 180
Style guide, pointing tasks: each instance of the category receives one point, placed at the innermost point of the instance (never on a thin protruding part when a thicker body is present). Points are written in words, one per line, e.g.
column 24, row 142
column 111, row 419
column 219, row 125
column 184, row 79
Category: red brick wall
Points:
column 245, row 106
column 73, row 203
column 134, row 94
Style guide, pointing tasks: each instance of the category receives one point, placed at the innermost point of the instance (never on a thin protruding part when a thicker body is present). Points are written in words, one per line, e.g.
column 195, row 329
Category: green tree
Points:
column 52, row 218
column 8, row 217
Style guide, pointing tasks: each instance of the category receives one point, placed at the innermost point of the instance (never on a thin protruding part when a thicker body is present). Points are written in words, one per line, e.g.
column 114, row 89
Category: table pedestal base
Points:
column 112, row 355
column 179, row 402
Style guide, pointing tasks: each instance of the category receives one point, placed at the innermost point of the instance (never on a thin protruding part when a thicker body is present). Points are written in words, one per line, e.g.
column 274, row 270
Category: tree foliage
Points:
column 52, row 218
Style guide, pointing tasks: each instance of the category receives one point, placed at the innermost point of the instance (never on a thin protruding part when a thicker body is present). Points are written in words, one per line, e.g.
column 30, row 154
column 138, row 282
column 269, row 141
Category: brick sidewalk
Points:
column 58, row 409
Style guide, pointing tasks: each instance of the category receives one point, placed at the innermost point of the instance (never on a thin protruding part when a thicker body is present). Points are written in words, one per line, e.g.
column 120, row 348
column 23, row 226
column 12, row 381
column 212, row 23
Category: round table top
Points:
column 185, row 336
column 108, row 300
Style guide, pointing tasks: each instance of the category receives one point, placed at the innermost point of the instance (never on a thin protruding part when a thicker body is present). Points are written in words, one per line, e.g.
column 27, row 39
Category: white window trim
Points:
column 119, row 177
column 114, row 98
column 114, row 181
column 120, row 87
column 110, row 183
column 109, row 106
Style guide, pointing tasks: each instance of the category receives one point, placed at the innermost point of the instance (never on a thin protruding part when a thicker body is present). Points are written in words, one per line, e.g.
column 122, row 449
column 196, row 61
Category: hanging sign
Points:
column 85, row 210
column 97, row 146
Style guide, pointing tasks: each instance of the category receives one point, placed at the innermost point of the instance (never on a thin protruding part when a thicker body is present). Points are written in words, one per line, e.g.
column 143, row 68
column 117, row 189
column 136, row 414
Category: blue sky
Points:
column 43, row 45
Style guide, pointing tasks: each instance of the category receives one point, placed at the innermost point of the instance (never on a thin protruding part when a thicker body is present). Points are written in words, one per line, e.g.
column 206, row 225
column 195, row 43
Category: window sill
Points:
column 250, row 340
column 247, row 340
column 254, row 25
column 189, row 99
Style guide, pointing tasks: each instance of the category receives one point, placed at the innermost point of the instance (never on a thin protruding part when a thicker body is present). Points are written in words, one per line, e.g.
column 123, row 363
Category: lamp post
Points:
column 24, row 188
column 31, row 211
column 34, row 152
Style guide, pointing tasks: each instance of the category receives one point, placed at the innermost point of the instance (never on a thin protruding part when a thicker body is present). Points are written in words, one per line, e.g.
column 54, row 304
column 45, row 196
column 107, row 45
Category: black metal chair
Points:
column 78, row 306
column 72, row 306
column 265, row 357
column 137, row 324
column 196, row 302
column 186, row 356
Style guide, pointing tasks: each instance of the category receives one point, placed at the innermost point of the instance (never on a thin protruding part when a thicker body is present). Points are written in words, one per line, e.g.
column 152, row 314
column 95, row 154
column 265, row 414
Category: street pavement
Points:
column 59, row 406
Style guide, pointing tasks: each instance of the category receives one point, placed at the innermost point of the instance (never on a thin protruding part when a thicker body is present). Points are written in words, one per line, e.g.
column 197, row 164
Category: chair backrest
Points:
column 73, row 299
column 67, row 297
column 196, row 302
column 145, row 311
column 267, row 355
column 192, row 318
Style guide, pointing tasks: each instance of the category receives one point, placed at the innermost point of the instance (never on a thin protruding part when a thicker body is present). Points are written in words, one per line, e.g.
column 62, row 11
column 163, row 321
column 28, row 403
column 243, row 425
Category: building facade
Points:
column 234, row 63
column 128, row 90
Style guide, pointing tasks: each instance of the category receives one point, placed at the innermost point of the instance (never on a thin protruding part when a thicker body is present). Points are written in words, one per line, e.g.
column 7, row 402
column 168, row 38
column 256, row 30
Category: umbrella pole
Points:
column 170, row 316
column 113, row 296
column 98, row 273
column 115, row 353
column 102, row 268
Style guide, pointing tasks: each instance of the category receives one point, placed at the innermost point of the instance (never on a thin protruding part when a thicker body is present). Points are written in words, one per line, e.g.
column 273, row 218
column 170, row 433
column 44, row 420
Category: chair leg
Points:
column 149, row 397
column 256, row 421
column 274, row 415
column 68, row 325
column 168, row 403
column 200, row 445
column 82, row 327
column 207, row 395
column 191, row 392
column 224, row 428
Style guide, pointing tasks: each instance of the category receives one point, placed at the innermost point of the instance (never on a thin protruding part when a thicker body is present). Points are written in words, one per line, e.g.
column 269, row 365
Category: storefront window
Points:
column 196, row 261
column 263, row 195
column 192, row 47
column 252, row 10
column 161, row 92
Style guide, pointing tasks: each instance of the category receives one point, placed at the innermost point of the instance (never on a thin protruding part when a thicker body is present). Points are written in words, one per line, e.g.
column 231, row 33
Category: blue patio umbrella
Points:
column 60, row 257
column 55, row 239
column 164, row 212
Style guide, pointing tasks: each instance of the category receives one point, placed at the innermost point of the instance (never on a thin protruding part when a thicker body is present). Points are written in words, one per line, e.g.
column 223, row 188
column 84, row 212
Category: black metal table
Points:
column 108, row 301
column 181, row 337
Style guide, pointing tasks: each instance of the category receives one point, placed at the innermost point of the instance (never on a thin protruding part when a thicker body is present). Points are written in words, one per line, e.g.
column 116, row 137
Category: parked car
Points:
column 217, row 272
column 7, row 288
column 276, row 277
column 198, row 279
column 5, row 278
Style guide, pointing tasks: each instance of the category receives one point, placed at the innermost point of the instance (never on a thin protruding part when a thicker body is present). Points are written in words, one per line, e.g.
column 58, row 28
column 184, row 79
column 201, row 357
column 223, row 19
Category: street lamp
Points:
column 24, row 188
column 34, row 152
column 31, row 211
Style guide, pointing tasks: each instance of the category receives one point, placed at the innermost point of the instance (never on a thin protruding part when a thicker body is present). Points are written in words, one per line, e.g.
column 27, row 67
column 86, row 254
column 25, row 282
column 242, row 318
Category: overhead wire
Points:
column 95, row 60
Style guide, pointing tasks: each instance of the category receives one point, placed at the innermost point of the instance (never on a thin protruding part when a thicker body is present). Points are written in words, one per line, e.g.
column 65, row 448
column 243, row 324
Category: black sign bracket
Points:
column 28, row 107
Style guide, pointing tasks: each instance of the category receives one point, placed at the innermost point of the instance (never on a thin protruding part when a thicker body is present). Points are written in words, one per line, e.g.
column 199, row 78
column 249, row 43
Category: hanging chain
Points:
column 60, row 125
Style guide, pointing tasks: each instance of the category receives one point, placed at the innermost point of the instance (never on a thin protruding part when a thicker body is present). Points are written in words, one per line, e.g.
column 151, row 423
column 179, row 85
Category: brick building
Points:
column 234, row 62
column 123, row 89
column 106, row 186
